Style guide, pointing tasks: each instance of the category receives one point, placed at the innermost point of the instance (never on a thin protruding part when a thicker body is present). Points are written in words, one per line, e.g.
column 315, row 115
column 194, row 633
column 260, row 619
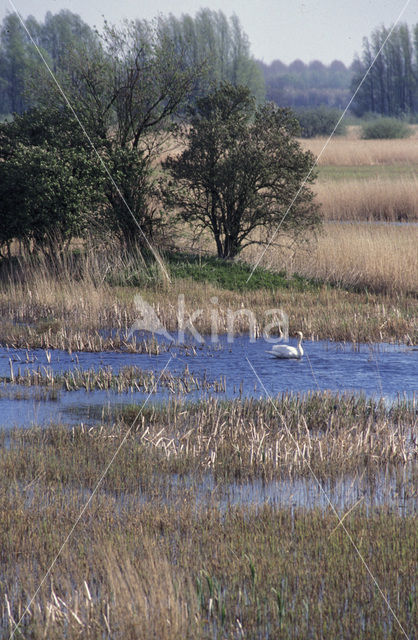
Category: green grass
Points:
column 231, row 275
column 366, row 172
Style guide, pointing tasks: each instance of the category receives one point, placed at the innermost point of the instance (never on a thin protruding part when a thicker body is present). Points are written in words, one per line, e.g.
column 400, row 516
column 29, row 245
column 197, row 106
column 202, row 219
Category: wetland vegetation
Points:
column 199, row 514
column 153, row 555
column 163, row 548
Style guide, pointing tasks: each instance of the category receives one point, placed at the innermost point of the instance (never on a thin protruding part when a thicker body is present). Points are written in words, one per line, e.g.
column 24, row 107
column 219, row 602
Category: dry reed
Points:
column 348, row 152
column 374, row 199
column 374, row 257
column 323, row 313
column 127, row 379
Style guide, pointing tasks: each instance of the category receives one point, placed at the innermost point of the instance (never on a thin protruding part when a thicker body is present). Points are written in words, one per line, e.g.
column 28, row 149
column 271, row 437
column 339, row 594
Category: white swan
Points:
column 286, row 351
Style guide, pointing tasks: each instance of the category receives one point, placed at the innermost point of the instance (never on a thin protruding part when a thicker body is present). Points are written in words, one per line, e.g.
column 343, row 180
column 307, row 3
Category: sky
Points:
column 278, row 29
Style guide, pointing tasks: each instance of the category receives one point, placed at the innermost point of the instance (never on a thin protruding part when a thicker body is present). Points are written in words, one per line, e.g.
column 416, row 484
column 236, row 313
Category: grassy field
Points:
column 351, row 151
column 377, row 258
column 390, row 199
column 367, row 179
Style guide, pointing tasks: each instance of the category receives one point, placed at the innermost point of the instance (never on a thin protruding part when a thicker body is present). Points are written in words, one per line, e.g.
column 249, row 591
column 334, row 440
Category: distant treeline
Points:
column 391, row 86
column 210, row 42
column 307, row 85
column 220, row 50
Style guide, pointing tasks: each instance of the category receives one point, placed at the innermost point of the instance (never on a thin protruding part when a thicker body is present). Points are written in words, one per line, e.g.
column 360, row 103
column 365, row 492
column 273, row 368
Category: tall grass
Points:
column 50, row 308
column 382, row 199
column 353, row 152
column 179, row 571
column 237, row 439
column 378, row 258
column 371, row 257
column 144, row 563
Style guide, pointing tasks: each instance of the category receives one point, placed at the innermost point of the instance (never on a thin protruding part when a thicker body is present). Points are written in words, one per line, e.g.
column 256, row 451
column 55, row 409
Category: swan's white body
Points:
column 286, row 351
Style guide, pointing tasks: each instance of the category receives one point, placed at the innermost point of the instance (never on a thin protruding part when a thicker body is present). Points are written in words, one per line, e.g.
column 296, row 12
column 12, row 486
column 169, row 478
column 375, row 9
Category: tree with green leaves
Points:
column 239, row 172
column 14, row 58
column 218, row 46
column 125, row 89
column 391, row 86
column 50, row 185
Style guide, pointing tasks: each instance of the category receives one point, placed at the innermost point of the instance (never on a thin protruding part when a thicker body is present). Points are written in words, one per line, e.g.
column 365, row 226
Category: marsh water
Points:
column 247, row 370
column 245, row 367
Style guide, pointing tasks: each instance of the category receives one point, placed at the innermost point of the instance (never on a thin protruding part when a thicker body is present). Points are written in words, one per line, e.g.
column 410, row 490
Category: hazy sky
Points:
column 278, row 29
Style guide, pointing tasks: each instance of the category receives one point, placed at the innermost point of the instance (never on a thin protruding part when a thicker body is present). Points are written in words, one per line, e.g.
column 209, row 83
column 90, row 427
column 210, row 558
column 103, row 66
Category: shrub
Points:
column 320, row 121
column 385, row 128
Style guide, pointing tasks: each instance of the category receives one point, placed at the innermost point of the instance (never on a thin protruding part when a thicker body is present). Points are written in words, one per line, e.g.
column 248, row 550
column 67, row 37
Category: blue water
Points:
column 382, row 370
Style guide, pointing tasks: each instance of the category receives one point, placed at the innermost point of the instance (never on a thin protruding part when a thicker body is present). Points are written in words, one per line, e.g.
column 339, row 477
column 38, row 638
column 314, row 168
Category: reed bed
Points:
column 375, row 258
column 127, row 379
column 381, row 199
column 178, row 571
column 323, row 313
column 150, row 558
column 345, row 151
column 60, row 305
column 66, row 339
column 237, row 439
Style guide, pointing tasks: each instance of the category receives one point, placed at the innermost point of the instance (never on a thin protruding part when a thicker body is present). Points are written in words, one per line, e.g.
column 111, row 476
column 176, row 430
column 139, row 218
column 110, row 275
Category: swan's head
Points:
column 300, row 334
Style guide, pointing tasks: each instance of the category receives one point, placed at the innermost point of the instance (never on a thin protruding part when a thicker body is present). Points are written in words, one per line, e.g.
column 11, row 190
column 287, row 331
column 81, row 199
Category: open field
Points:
column 366, row 179
column 155, row 557
column 368, row 171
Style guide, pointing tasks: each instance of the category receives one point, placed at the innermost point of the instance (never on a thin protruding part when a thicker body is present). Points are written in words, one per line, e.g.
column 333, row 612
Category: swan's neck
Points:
column 299, row 347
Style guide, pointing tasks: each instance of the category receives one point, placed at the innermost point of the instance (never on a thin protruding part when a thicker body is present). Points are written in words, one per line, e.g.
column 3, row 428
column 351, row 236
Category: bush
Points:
column 319, row 122
column 385, row 128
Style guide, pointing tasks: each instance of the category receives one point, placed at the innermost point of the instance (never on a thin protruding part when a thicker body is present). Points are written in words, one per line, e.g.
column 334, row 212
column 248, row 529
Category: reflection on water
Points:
column 394, row 489
column 376, row 370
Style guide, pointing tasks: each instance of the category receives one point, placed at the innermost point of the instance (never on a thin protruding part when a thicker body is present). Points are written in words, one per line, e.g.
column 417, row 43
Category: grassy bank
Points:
column 368, row 296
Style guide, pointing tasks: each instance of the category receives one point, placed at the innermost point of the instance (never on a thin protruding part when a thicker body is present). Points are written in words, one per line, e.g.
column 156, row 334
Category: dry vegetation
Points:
column 55, row 311
column 376, row 258
column 351, row 151
column 390, row 194
column 127, row 379
column 376, row 199
column 153, row 558
column 235, row 439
